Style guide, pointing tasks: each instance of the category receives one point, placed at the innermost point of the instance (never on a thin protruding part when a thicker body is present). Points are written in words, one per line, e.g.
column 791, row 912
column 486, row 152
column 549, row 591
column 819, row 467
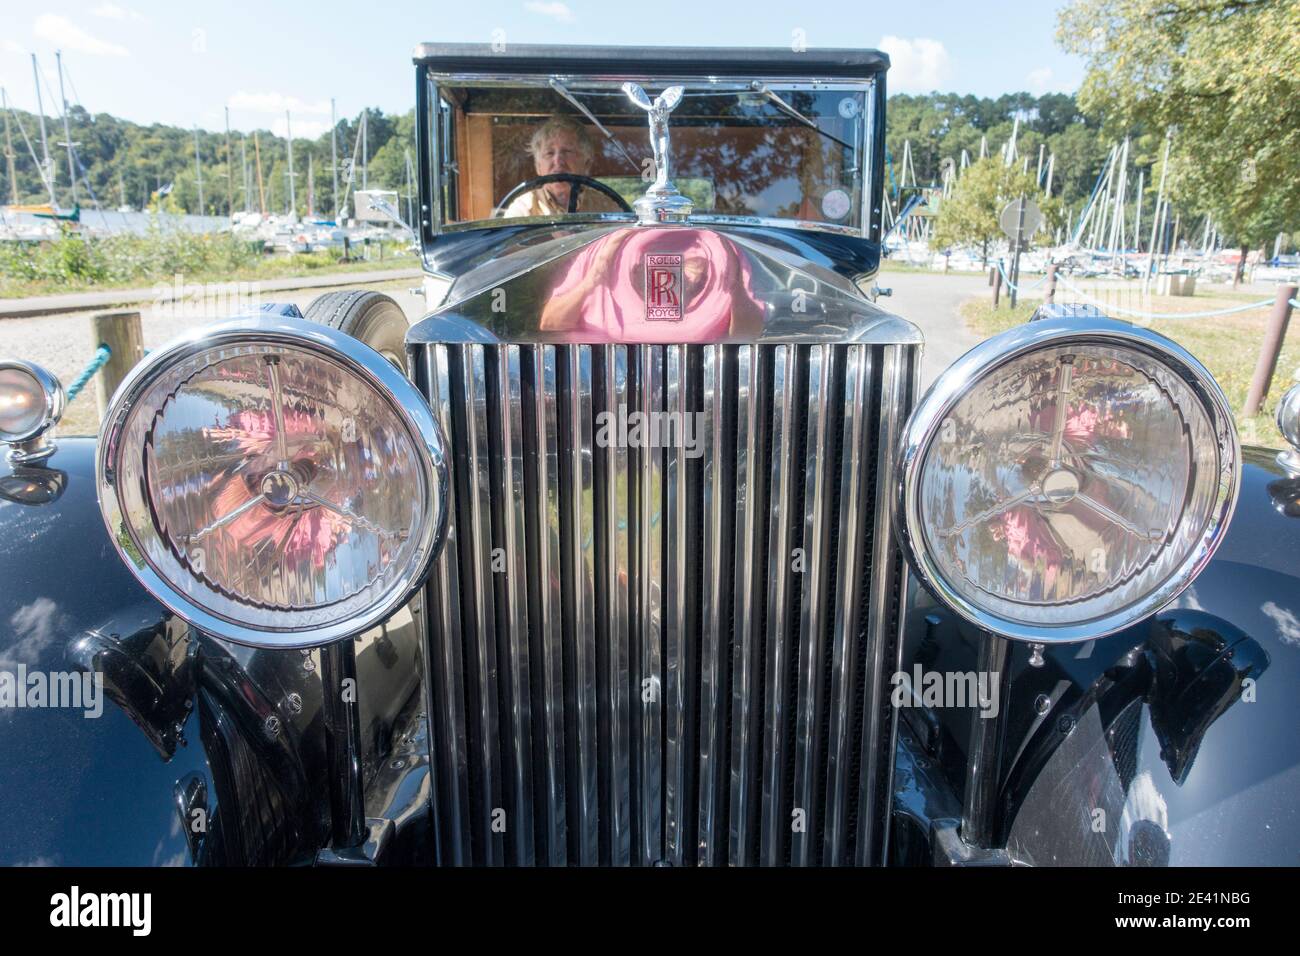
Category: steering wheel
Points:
column 576, row 182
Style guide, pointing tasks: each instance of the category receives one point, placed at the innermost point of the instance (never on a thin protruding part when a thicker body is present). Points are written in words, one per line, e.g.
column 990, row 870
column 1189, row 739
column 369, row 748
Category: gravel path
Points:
column 61, row 342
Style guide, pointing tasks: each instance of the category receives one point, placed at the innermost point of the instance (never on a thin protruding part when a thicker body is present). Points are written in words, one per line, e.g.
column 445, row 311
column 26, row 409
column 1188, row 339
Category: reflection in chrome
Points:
column 1063, row 479
column 657, row 655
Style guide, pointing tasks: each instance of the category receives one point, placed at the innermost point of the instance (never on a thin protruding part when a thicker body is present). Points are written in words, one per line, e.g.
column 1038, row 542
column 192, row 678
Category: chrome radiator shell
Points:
column 638, row 657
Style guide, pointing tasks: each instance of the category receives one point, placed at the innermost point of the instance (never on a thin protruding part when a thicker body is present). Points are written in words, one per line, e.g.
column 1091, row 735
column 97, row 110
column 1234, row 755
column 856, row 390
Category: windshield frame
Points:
column 433, row 141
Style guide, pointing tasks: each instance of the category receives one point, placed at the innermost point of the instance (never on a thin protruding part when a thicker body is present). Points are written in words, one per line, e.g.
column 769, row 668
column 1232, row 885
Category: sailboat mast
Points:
column 288, row 140
column 257, row 157
column 67, row 131
column 365, row 150
column 47, row 173
column 230, row 171
column 334, row 159
column 198, row 169
column 9, row 150
column 311, row 186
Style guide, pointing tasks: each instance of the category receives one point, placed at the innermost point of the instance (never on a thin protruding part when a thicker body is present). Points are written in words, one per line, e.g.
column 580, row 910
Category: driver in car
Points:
column 559, row 146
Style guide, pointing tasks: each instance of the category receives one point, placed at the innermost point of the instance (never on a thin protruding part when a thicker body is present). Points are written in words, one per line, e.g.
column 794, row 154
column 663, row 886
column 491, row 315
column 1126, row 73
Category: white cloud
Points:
column 1039, row 80
column 919, row 65
column 302, row 129
column 66, row 35
column 11, row 47
column 262, row 102
column 550, row 8
column 111, row 11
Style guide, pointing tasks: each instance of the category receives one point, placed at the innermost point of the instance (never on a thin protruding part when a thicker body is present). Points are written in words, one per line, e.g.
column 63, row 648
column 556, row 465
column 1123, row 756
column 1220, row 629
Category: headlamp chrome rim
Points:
column 983, row 361
column 407, row 403
column 56, row 401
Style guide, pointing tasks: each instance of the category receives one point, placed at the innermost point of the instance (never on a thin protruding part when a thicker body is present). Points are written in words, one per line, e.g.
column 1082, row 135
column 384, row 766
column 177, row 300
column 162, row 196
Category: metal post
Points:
column 983, row 759
column 1020, row 240
column 1274, row 335
column 1051, row 283
column 997, row 285
column 120, row 331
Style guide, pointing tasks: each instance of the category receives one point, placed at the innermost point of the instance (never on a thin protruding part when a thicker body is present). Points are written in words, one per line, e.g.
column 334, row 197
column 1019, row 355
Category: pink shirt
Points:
column 706, row 298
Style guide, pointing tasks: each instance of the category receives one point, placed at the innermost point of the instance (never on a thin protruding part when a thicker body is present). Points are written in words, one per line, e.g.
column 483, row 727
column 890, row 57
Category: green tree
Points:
column 1224, row 76
column 969, row 217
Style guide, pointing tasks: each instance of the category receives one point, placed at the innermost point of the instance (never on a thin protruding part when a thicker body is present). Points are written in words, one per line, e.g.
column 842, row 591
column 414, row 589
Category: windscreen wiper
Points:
column 564, row 92
column 790, row 111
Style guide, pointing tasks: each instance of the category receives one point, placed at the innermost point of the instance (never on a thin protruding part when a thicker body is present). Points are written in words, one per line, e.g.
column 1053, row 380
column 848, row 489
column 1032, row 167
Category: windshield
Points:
column 792, row 151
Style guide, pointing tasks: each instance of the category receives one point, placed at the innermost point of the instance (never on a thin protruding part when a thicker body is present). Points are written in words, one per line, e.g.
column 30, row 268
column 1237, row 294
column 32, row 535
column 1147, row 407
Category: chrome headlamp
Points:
column 273, row 481
column 1064, row 479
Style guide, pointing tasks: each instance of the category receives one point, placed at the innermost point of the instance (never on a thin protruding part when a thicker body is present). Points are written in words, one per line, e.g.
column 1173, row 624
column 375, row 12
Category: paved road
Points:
column 931, row 300
column 61, row 342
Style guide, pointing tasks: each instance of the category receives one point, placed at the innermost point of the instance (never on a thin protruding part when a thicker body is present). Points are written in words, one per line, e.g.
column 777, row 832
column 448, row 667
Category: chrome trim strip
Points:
column 774, row 824
column 714, row 586
column 514, row 611
column 579, row 583
column 475, row 480
column 749, row 561
column 453, row 775
column 885, row 569
column 818, row 465
column 648, row 623
column 620, row 697
column 850, row 566
column 676, row 662
column 546, row 504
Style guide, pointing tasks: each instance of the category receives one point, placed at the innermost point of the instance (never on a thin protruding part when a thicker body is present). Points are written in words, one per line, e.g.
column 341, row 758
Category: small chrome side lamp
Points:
column 31, row 403
column 1288, row 423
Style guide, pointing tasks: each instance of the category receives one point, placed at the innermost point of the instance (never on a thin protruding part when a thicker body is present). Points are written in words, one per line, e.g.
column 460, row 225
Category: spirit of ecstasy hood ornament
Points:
column 661, row 202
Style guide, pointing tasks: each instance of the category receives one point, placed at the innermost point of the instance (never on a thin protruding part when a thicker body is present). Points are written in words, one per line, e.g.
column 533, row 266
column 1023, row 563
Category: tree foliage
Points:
column 969, row 217
column 1224, row 76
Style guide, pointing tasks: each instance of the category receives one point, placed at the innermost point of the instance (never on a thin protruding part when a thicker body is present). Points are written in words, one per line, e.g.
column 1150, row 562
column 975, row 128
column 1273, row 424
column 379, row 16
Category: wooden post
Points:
column 1268, row 353
column 120, row 331
column 1051, row 283
column 997, row 285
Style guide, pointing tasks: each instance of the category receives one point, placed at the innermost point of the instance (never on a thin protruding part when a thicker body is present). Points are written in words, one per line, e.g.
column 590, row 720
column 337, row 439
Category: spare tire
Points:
column 372, row 317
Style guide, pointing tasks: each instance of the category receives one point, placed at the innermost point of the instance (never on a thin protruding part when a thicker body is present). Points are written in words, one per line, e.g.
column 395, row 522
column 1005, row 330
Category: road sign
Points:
column 1009, row 219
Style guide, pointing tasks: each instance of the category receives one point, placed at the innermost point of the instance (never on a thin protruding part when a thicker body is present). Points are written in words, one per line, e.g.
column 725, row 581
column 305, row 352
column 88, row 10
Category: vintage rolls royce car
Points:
column 641, row 547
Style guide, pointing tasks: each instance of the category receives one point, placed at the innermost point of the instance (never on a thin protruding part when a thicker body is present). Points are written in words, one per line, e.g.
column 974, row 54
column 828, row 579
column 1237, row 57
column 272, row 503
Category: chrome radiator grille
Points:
column 642, row 656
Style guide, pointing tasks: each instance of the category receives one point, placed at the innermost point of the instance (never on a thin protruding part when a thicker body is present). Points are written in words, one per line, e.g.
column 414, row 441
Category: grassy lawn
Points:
column 1228, row 345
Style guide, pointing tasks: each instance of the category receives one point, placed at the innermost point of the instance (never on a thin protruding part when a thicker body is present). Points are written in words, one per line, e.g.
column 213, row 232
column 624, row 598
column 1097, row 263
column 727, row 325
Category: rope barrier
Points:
column 1019, row 289
column 102, row 355
column 1160, row 315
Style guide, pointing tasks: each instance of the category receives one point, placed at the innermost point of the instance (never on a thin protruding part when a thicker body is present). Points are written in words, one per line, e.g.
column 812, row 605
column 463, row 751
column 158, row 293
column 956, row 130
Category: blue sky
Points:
column 153, row 61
